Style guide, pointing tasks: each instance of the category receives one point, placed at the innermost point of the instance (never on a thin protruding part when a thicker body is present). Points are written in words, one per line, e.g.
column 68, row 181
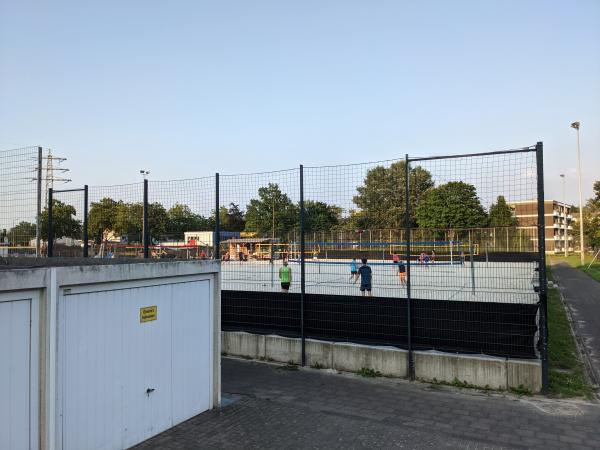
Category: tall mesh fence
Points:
column 442, row 253
column 67, row 221
column 19, row 190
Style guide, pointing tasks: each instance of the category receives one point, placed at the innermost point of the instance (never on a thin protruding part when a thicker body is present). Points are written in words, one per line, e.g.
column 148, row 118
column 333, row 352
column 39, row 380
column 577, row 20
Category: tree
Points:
column 381, row 198
column 101, row 218
column 591, row 219
column 271, row 212
column 319, row 216
column 501, row 215
column 64, row 223
column 451, row 205
column 232, row 218
column 21, row 234
column 182, row 219
column 130, row 216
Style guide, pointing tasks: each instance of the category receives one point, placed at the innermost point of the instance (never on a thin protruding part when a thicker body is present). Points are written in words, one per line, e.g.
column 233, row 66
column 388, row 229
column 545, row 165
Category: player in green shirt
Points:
column 285, row 276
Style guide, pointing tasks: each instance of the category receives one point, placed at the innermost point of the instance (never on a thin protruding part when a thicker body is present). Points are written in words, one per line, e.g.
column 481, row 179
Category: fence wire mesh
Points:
column 19, row 190
column 67, row 223
column 422, row 253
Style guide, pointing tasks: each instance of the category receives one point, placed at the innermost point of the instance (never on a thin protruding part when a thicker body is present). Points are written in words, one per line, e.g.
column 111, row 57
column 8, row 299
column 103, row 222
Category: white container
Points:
column 122, row 352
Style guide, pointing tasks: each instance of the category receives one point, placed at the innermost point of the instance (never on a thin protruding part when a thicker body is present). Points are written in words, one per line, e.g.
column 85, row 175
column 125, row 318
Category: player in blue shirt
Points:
column 366, row 278
column 353, row 271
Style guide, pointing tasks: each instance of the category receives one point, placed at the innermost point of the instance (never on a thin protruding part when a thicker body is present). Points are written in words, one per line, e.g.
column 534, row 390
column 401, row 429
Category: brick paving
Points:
column 270, row 406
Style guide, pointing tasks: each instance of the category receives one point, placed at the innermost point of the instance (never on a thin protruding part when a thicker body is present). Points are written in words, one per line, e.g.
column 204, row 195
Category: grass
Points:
column 369, row 373
column 566, row 370
column 575, row 261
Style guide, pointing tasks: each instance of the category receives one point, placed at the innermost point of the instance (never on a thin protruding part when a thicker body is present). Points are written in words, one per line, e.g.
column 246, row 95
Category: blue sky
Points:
column 187, row 89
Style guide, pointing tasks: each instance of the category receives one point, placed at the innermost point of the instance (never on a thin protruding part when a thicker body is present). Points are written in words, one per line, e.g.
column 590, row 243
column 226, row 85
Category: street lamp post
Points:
column 565, row 236
column 582, row 251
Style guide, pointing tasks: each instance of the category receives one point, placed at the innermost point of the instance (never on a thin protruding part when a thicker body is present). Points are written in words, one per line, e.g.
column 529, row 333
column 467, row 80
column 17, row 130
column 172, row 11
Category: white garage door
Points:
column 124, row 380
column 18, row 372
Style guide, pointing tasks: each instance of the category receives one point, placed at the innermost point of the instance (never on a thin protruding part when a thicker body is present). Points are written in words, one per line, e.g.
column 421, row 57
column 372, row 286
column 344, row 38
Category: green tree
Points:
column 129, row 219
column 319, row 216
column 591, row 220
column 451, row 205
column 101, row 218
column 182, row 219
column 64, row 223
column 501, row 215
column 21, row 234
column 381, row 198
column 232, row 218
column 272, row 210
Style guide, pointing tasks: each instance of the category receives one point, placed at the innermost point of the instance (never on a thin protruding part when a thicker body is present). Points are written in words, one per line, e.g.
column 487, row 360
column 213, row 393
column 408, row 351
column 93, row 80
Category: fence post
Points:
column 38, row 217
column 539, row 150
column 85, row 221
column 50, row 226
column 217, row 238
column 407, row 225
column 145, row 231
column 302, row 265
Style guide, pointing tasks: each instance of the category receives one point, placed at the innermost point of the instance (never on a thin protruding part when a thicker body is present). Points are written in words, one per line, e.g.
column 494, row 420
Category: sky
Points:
column 189, row 88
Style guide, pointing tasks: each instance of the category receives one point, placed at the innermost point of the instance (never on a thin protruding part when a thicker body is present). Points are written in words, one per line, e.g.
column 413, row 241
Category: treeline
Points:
column 380, row 204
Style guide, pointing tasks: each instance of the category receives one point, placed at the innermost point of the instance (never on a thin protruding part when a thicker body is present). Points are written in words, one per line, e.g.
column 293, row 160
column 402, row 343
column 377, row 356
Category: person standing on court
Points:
column 353, row 271
column 366, row 278
column 285, row 276
column 402, row 272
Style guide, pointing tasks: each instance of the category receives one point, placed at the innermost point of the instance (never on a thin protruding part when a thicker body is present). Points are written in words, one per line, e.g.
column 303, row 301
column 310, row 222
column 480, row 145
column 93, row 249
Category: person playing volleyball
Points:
column 366, row 278
column 402, row 272
column 353, row 271
column 285, row 276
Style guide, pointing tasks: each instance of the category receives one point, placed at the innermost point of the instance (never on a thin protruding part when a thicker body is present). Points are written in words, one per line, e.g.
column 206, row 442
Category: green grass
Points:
column 575, row 261
column 566, row 370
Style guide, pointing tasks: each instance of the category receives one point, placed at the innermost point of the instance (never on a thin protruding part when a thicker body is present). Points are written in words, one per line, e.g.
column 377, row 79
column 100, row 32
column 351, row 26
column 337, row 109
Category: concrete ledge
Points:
column 282, row 349
column 432, row 366
column 524, row 373
column 481, row 371
column 390, row 361
column 242, row 344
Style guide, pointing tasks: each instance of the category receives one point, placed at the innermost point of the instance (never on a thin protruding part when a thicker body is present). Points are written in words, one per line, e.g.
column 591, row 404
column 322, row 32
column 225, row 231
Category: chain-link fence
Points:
column 20, row 201
column 439, row 253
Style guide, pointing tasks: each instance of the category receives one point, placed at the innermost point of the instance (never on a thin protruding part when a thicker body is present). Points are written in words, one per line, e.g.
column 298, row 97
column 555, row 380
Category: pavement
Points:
column 270, row 406
column 582, row 296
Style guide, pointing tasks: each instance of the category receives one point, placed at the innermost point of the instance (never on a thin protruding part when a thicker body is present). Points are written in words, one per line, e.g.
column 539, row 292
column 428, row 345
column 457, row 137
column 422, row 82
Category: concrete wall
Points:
column 431, row 366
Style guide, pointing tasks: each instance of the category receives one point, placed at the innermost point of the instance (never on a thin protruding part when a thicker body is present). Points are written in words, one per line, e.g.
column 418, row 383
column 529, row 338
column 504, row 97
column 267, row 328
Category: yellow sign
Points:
column 148, row 313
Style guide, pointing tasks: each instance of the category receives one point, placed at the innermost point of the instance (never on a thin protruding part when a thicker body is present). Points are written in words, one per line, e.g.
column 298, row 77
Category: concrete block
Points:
column 239, row 343
column 283, row 349
column 482, row 371
column 319, row 354
column 525, row 373
column 390, row 361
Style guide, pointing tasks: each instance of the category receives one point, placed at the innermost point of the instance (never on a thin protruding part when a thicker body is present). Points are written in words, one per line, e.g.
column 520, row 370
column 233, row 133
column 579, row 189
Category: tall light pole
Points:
column 566, row 239
column 582, row 251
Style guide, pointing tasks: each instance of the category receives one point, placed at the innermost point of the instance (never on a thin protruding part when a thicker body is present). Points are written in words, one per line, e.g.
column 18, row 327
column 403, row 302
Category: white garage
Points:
column 128, row 351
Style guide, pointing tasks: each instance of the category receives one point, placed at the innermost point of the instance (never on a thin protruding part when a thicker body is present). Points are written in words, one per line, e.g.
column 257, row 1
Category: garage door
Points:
column 129, row 372
column 18, row 372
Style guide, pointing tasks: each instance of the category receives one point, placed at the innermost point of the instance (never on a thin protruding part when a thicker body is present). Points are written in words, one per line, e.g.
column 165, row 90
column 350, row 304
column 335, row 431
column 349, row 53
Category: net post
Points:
column 85, row 221
column 217, row 238
column 302, row 265
column 145, row 231
column 407, row 226
column 50, row 227
column 38, row 217
column 539, row 150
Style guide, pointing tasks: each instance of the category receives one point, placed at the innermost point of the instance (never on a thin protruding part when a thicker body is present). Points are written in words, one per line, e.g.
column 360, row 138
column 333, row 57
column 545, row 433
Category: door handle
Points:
column 149, row 391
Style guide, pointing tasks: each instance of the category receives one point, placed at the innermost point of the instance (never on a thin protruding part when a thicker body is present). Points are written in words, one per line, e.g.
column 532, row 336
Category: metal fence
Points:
column 20, row 201
column 444, row 253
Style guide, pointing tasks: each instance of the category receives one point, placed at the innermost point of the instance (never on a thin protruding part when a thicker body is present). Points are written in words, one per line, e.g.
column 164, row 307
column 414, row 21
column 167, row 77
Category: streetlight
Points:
column 565, row 241
column 582, row 251
column 144, row 173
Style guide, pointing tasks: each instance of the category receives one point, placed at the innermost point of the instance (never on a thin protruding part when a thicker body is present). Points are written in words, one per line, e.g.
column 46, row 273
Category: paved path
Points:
column 582, row 295
column 277, row 408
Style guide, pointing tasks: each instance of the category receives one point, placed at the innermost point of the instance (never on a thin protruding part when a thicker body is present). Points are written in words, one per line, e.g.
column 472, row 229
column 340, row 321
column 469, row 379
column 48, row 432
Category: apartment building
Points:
column 558, row 222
